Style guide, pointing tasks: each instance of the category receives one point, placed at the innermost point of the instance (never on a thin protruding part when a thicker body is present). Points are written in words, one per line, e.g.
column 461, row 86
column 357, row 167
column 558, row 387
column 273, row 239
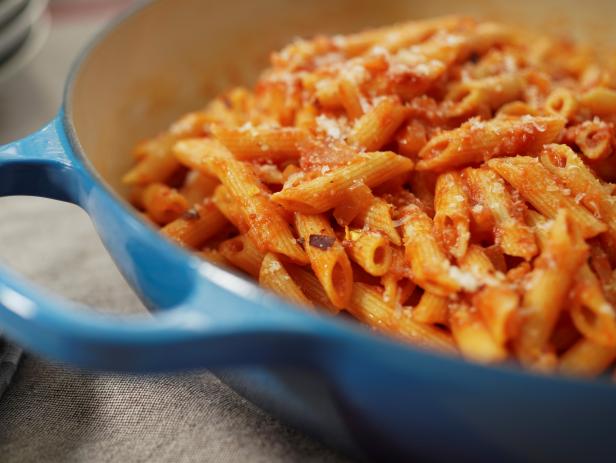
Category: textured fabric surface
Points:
column 56, row 414
column 9, row 358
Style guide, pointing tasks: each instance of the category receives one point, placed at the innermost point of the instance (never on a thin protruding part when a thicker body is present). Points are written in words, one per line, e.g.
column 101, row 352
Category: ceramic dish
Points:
column 369, row 395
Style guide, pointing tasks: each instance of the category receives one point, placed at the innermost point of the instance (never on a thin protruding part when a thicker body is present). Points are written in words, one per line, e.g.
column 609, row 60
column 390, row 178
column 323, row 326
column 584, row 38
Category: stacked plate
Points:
column 24, row 26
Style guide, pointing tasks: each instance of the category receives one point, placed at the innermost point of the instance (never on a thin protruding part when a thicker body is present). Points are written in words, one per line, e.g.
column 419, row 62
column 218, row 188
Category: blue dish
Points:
column 364, row 393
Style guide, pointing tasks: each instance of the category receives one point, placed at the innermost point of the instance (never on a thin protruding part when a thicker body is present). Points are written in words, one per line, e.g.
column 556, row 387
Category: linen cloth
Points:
column 53, row 413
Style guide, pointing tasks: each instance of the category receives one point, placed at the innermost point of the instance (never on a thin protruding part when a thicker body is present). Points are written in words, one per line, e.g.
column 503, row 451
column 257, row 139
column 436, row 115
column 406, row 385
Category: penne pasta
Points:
column 371, row 251
column 472, row 336
column 548, row 287
column 243, row 254
column 367, row 305
column 567, row 167
column 595, row 139
column 195, row 153
column 452, row 214
column 376, row 217
column 562, row 102
column 266, row 223
column 156, row 162
column 498, row 306
column 477, row 261
column 591, row 313
column 311, row 287
column 324, row 192
column 432, row 309
column 248, row 143
column 376, row 127
column 586, row 359
column 162, row 203
column 196, row 226
column 197, row 187
column 351, row 98
column 511, row 233
column 431, row 268
column 273, row 276
column 327, row 257
column 600, row 101
column 470, row 97
column 478, row 141
column 540, row 189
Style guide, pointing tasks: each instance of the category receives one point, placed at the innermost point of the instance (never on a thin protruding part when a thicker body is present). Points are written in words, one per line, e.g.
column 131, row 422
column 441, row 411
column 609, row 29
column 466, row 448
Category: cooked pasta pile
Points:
column 444, row 181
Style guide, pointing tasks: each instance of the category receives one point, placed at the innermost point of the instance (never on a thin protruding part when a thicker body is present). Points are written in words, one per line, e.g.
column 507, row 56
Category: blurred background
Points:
column 39, row 40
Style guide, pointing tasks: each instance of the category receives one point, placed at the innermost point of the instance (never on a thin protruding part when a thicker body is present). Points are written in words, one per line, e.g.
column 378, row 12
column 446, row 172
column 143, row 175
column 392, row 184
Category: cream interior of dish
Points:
column 174, row 55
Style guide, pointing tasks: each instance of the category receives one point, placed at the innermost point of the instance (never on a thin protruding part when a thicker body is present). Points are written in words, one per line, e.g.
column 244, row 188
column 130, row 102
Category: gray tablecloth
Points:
column 53, row 413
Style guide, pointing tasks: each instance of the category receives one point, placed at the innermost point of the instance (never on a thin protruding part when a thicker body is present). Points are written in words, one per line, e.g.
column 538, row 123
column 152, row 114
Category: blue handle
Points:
column 248, row 327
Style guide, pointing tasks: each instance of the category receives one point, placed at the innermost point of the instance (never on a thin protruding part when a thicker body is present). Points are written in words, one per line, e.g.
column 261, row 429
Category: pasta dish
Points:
column 444, row 181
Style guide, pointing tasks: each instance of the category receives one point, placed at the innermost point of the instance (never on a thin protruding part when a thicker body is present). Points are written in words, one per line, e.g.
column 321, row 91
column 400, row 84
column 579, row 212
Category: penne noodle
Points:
column 376, row 127
column 470, row 97
column 248, row 143
column 376, row 217
column 412, row 138
column 478, row 141
column 397, row 289
column 306, row 118
column 273, row 276
column 600, row 101
column 432, row 309
column 195, row 153
column 355, row 203
column 367, row 305
column 156, row 162
column 196, row 226
column 351, row 99
column 452, row 214
column 561, row 102
column 591, row 313
column 540, row 189
column 213, row 255
column 472, row 336
column 568, row 168
column 595, row 139
column 324, row 192
column 476, row 261
column 431, row 268
column 498, row 306
column 163, row 204
column 265, row 222
column 371, row 251
column 328, row 94
column 311, row 287
column 548, row 287
column 511, row 233
column 243, row 254
column 518, row 109
column 327, row 257
column 197, row 187
column 586, row 359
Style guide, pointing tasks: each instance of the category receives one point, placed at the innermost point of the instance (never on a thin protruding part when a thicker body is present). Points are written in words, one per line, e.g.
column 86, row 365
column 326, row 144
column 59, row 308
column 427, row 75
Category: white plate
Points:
column 9, row 8
column 28, row 50
column 17, row 29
